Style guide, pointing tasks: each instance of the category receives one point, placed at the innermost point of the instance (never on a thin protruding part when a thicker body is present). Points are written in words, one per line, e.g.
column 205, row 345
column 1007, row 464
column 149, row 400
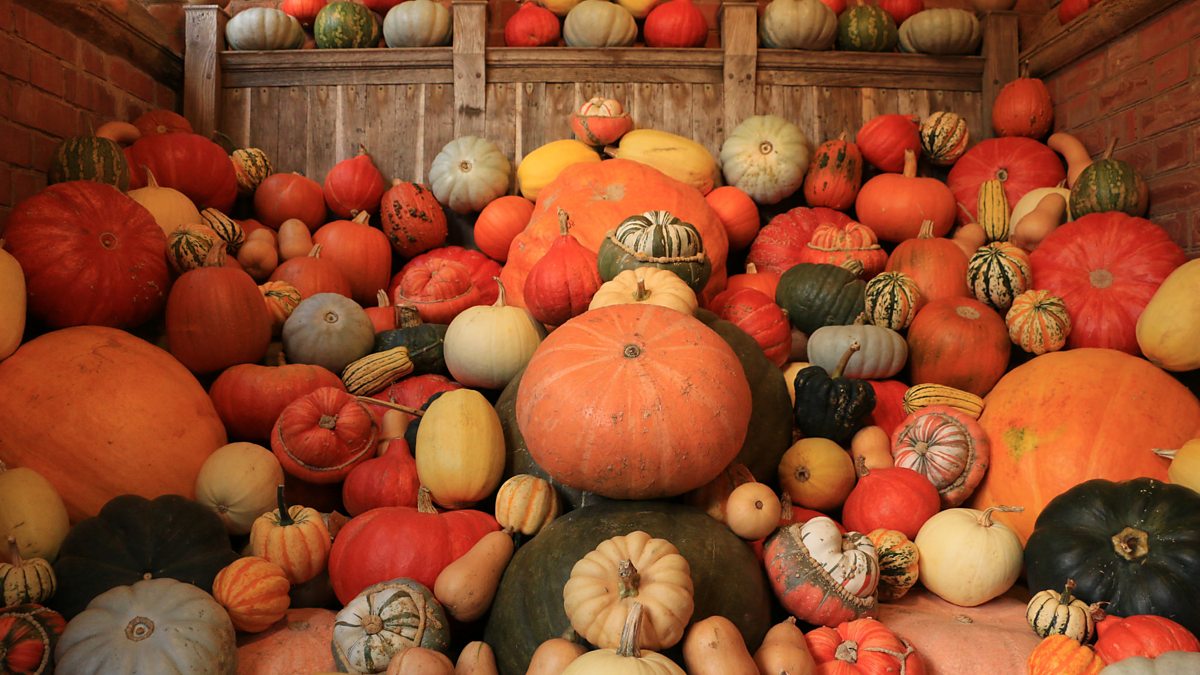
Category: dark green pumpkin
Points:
column 134, row 538
column 655, row 239
column 346, row 25
column 89, row 158
column 528, row 608
column 866, row 28
column 1133, row 544
column 423, row 340
column 1109, row 185
column 831, row 406
column 817, row 294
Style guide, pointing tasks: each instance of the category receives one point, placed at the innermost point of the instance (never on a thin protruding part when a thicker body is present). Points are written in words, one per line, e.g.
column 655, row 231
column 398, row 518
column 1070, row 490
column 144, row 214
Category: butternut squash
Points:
column 872, row 445
column 392, row 425
column 1073, row 151
column 752, row 511
column 467, row 586
column 969, row 238
column 295, row 241
column 783, row 650
column 119, row 132
column 476, row 658
column 259, row 258
column 1041, row 221
column 419, row 661
column 553, row 656
column 714, row 646
column 264, row 233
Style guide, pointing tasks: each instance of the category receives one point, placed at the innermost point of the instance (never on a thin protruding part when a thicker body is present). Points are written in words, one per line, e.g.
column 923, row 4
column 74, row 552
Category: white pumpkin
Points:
column 766, row 157
column 943, row 31
column 154, row 626
column 882, row 352
column 238, row 481
column 599, row 23
column 967, row 558
column 468, row 173
column 798, row 24
column 386, row 618
column 1166, row 663
column 263, row 28
column 649, row 285
column 487, row 345
column 417, row 23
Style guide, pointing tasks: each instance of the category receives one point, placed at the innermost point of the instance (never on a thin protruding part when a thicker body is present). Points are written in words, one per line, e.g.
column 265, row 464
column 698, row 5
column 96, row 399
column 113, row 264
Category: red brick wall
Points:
column 53, row 85
column 1144, row 89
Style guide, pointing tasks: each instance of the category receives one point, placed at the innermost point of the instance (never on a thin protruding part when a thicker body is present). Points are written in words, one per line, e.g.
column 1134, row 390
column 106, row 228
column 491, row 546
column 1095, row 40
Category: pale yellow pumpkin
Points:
column 558, row 7
column 765, row 156
column 680, row 158
column 752, row 510
column 628, row 658
column 12, row 303
column 487, row 345
column 170, row 208
column 967, row 558
column 460, row 449
column 648, row 285
column 639, row 8
column 469, row 173
column 543, row 165
column 526, row 504
column 1168, row 328
column 238, row 482
column 1185, row 464
column 32, row 511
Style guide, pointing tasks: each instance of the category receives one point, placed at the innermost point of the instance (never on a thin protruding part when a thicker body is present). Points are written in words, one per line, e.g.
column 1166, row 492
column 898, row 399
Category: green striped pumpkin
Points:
column 998, row 273
column 866, row 28
column 898, row 568
column 1109, row 185
column 89, row 158
column 226, row 228
column 655, row 239
column 190, row 247
column 892, row 300
column 817, row 294
column 346, row 25
column 944, row 137
column 1038, row 322
column 251, row 167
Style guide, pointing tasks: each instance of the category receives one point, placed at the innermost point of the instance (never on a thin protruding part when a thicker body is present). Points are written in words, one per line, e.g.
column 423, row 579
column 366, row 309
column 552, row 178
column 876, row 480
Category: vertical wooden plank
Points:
column 321, row 135
column 708, row 117
column 560, row 102
column 205, row 39
column 381, row 138
column 439, row 126
column 739, row 41
column 677, row 109
column 501, row 119
column 291, row 105
column 532, row 119
column 406, row 105
column 264, row 125
column 805, row 102
column 470, row 95
column 235, row 116
column 1000, row 51
column 648, row 105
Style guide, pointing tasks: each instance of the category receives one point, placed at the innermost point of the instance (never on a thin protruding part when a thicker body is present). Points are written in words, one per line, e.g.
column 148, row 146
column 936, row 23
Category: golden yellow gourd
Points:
column 1185, row 464
column 1168, row 330
column 460, row 449
column 32, row 511
column 487, row 345
column 238, row 482
column 680, row 158
column 544, row 164
column 12, row 303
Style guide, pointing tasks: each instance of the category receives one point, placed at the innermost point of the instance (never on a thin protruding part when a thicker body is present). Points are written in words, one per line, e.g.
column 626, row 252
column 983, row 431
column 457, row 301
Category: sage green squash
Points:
column 817, row 294
column 346, row 25
column 866, row 28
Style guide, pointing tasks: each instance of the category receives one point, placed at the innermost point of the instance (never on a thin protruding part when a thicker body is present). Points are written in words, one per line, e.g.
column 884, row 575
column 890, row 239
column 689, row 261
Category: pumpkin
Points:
column 295, row 538
column 894, row 498
column 766, row 156
column 942, row 31
column 600, row 121
column 896, row 205
column 945, row 446
column 31, row 512
column 353, row 185
column 311, row 274
column 764, row 282
column 459, row 449
column 281, row 299
column 541, row 166
column 249, row 397
column 320, row 436
column 819, row 575
column 122, row 133
column 798, row 24
column 873, row 446
column 413, row 219
column 885, row 141
column 485, row 345
column 898, row 563
column 1167, row 319
column 618, row 343
column 526, row 504
column 828, row 405
column 237, row 482
column 862, row 646
column 502, row 220
column 936, row 264
column 389, row 479
column 1068, row 10
column 89, row 158
column 1052, row 613
column 997, row 273
column 1125, row 540
column 835, row 245
column 889, row 404
column 761, row 319
column 423, row 23
column 469, row 172
column 1165, row 663
column 531, row 26
column 385, row 619
column 678, row 157
column 329, row 330
column 901, row 10
column 939, row 336
column 944, row 137
column 305, row 11
column 738, row 214
column 1023, row 107
column 361, row 253
column 170, row 208
column 816, row 473
column 966, row 557
column 881, row 354
column 1021, row 164
column 655, row 239
column 282, row 196
column 1061, row 655
column 177, row 426
column 298, row 643
column 866, row 28
column 90, row 256
column 835, row 173
column 12, row 303
column 892, row 300
column 24, row 580
column 346, row 25
column 752, row 510
column 598, row 23
column 254, row 592
column 264, row 28
column 192, row 246
column 1146, row 635
column 445, row 281
column 820, row 294
column 627, row 658
column 1109, row 185
column 28, row 635
column 161, row 121
column 1038, row 322
column 251, row 166
column 675, row 24
column 190, row 163
column 216, row 318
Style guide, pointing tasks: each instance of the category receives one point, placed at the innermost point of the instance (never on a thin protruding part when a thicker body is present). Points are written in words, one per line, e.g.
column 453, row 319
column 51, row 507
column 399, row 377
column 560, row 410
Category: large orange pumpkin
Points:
column 298, row 644
column 958, row 342
column 1066, row 417
column 598, row 196
column 102, row 413
column 634, row 402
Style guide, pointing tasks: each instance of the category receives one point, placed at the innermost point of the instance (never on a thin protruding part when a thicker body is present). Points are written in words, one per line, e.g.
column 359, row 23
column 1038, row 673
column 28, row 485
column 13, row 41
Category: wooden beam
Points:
column 318, row 67
column 790, row 67
column 470, row 83
column 633, row 64
column 202, row 91
column 739, row 40
column 1101, row 23
column 999, row 59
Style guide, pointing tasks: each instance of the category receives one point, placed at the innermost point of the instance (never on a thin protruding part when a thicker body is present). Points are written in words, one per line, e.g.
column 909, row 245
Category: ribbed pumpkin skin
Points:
column 1109, row 185
column 1022, row 164
column 998, row 273
column 1146, row 635
column 249, row 397
column 216, row 318
column 936, row 264
column 879, row 650
column 345, row 25
column 834, row 175
column 836, row 245
column 322, row 435
column 1069, row 416
column 783, row 241
column 884, row 138
column 254, row 591
column 760, row 317
column 946, row 446
column 1105, row 267
column 353, row 185
column 187, row 162
column 225, row 227
column 944, row 137
column 866, row 28
column 992, row 211
column 664, row 370
column 1038, row 322
column 1061, row 655
column 294, row 538
column 1023, row 108
column 445, row 281
column 89, row 158
column 958, row 342
column 817, row 294
column 28, row 635
column 892, row 300
column 188, row 246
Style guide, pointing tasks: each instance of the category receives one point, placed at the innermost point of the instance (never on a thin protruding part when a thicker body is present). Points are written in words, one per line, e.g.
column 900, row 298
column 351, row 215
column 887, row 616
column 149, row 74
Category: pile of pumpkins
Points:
column 309, row 444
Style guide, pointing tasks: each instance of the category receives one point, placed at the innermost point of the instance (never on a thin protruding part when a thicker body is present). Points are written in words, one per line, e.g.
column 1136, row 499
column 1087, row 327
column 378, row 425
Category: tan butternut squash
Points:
column 12, row 303
column 553, row 656
column 119, row 132
column 467, row 586
column 714, row 646
column 752, row 510
column 419, row 661
column 1072, row 150
column 969, row 238
column 873, row 446
column 264, row 233
column 476, row 658
column 295, row 241
column 783, row 650
column 392, row 425
column 258, row 257
column 1049, row 213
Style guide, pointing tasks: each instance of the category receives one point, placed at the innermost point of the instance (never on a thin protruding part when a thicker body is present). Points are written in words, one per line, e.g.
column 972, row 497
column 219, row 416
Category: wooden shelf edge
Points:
column 1055, row 49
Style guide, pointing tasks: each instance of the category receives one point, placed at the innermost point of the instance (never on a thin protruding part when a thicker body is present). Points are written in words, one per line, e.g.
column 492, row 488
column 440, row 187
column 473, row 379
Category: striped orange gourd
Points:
column 188, row 246
column 944, row 137
column 225, row 227
column 251, row 166
column 295, row 538
column 1061, row 655
column 1038, row 322
column 254, row 591
column 526, row 504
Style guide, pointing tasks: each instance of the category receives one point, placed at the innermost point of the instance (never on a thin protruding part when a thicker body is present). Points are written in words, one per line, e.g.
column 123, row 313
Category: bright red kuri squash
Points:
column 312, row 274
column 360, row 252
column 958, row 342
column 289, row 195
column 784, row 240
column 675, row 23
column 884, row 139
column 249, row 397
column 187, row 162
column 353, row 185
column 562, row 283
column 387, row 480
column 834, row 175
column 1022, row 164
column 162, row 122
column 501, row 221
column 738, row 213
column 445, row 281
column 895, row 498
column 895, row 205
column 531, row 26
column 322, row 435
column 216, row 318
column 760, row 318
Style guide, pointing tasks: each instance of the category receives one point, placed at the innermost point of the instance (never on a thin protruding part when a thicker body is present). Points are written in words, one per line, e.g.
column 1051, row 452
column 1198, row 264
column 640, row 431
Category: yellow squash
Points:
column 680, row 158
column 1168, row 327
column 544, row 164
column 460, row 449
column 12, row 303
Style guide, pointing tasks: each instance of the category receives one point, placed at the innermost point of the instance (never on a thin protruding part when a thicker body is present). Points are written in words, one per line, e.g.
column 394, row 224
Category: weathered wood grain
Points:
column 1051, row 45
column 1000, row 58
column 739, row 40
column 470, row 31
column 202, row 67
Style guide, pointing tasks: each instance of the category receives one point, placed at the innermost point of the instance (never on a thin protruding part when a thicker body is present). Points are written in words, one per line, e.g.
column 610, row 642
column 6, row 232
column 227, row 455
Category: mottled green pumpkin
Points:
column 423, row 340
column 866, row 28
column 655, row 239
column 1109, row 185
column 997, row 273
column 818, row 294
column 829, row 405
column 89, row 158
column 346, row 25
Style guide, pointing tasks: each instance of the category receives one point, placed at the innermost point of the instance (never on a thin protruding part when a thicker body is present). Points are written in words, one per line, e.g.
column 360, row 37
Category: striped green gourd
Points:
column 192, row 246
column 251, row 167
column 928, row 394
column 89, row 158
column 892, row 300
column 944, row 137
column 1109, row 185
column 1038, row 322
column 346, row 25
column 655, row 239
column 226, row 228
column 997, row 273
column 866, row 28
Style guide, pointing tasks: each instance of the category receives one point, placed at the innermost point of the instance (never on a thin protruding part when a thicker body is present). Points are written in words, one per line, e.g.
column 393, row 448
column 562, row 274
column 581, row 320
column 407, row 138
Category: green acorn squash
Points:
column 528, row 608
column 346, row 25
column 1109, row 185
column 818, row 294
column 423, row 340
column 655, row 239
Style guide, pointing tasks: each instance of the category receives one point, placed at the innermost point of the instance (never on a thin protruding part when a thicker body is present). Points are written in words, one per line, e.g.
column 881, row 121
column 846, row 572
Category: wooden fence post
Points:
column 202, row 66
column 470, row 83
column 1000, row 60
column 739, row 42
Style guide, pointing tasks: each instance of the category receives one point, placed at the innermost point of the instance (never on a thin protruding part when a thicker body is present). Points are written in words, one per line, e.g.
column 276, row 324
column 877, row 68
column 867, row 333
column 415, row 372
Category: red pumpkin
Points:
column 387, row 480
column 354, row 185
column 884, row 138
column 1023, row 108
column 936, row 264
column 91, row 256
column 187, row 162
column 738, row 214
column 413, row 392
column 896, row 205
column 531, row 26
column 562, row 283
column 782, row 243
column 947, row 447
column 901, row 9
column 298, row 644
column 1022, row 164
column 834, row 175
column 28, row 634
column 320, row 436
column 216, row 318
column 282, row 196
column 838, row 6
column 889, row 404
column 764, row 282
column 675, row 23
column 312, row 274
column 862, row 646
column 305, row 11
column 249, row 397
column 162, row 122
column 838, row 244
column 1145, row 635
column 1069, row 9
column 759, row 317
column 892, row 499
column 413, row 219
column 379, row 544
column 1105, row 267
column 958, row 342
column 502, row 219
column 360, row 252
column 444, row 282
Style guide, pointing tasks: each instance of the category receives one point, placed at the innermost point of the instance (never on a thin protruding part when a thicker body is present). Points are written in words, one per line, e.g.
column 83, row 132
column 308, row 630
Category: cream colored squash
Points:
column 967, row 558
column 649, row 285
column 639, row 8
column 626, row 659
column 1168, row 330
column 680, row 158
column 12, row 303
column 883, row 351
column 170, row 208
column 487, row 345
column 263, row 28
column 599, row 23
column 32, row 512
column 1185, row 464
column 468, row 173
column 417, row 23
column 544, row 164
column 766, row 156
column 798, row 24
column 1030, row 201
column 942, row 31
column 238, row 481
column 460, row 449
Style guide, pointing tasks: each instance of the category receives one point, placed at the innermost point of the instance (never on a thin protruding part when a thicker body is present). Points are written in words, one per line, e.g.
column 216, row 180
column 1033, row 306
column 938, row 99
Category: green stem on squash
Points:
column 985, row 518
column 628, row 579
column 841, row 366
column 285, row 518
column 630, row 632
column 1066, row 598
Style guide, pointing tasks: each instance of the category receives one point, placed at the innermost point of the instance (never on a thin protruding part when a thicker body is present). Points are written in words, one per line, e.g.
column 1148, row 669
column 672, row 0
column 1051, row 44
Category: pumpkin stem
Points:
column 926, row 231
column 641, row 293
column 785, row 507
column 564, row 222
column 1024, row 69
column 1161, row 452
column 631, row 632
column 362, row 149
column 407, row 316
column 842, row 136
column 901, row 658
column 628, row 579
column 1112, row 145
column 285, row 518
column 751, row 268
column 151, row 181
column 425, row 500
column 847, row 651
column 1096, row 609
column 361, row 217
column 215, row 256
column 860, row 467
column 841, row 366
column 1131, row 544
column 499, row 297
column 1066, row 596
column 910, row 164
column 14, row 552
column 416, row 412
column 327, row 422
column 985, row 518
column 315, row 251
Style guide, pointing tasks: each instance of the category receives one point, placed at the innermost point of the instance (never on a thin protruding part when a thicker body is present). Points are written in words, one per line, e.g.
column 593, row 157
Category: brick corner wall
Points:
column 1143, row 88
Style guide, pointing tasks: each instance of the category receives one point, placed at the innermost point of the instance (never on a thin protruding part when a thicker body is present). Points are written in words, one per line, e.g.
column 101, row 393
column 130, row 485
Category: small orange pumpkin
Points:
column 1062, row 655
column 295, row 538
column 254, row 591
